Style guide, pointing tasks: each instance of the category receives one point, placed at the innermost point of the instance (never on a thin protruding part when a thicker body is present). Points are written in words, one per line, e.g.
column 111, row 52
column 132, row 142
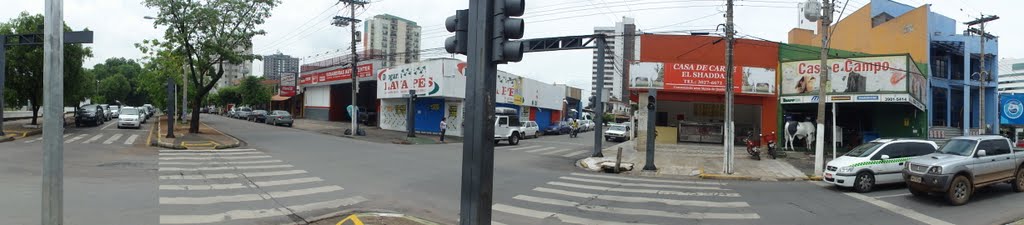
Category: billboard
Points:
column 287, row 85
column 700, row 77
column 1011, row 107
column 852, row 75
column 434, row 78
column 338, row 74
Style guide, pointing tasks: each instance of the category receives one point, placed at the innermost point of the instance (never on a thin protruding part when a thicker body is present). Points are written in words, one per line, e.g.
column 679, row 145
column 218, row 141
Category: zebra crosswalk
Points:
column 566, row 152
column 584, row 198
column 94, row 138
column 241, row 186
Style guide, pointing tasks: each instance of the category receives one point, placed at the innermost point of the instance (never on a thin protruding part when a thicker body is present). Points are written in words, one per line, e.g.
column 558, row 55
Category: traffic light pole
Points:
column 478, row 145
column 53, row 114
column 599, row 106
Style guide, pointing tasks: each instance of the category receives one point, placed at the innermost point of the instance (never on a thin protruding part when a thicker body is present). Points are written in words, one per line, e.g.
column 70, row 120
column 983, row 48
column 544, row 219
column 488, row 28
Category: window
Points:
column 919, row 149
column 893, row 150
column 995, row 147
column 503, row 121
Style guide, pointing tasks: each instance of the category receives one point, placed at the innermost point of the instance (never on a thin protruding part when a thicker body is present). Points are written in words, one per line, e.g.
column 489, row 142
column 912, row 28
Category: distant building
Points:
column 278, row 64
column 1011, row 76
column 622, row 48
column 394, row 40
column 233, row 73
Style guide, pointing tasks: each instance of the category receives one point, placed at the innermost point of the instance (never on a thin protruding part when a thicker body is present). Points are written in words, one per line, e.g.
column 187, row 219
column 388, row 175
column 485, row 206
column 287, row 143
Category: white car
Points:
column 877, row 162
column 507, row 126
column 617, row 132
column 129, row 117
column 530, row 129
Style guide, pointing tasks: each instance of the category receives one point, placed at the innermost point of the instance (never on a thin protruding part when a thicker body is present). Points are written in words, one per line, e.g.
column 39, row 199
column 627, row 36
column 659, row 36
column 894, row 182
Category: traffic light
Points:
column 507, row 28
column 650, row 102
column 459, row 23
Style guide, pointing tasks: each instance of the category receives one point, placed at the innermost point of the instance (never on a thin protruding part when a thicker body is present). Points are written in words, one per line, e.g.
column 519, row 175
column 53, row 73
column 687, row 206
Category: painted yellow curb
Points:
column 354, row 218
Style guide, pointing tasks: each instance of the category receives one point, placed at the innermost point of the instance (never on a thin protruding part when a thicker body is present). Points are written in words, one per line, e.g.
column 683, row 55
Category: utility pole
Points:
column 729, row 129
column 53, row 114
column 351, row 21
column 983, row 75
column 3, row 74
column 826, row 20
column 599, row 106
column 184, row 97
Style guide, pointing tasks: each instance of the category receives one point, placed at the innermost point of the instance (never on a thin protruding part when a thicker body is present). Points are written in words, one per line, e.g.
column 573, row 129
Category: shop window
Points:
column 661, row 119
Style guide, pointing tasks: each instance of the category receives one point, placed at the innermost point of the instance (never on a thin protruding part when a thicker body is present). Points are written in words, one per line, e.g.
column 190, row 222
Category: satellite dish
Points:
column 812, row 10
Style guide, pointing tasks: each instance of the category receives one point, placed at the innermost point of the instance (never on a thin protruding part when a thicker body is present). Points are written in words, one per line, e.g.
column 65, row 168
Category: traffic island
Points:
column 207, row 138
column 373, row 219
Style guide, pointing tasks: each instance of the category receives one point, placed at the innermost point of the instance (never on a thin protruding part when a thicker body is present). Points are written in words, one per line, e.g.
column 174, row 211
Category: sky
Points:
column 301, row 28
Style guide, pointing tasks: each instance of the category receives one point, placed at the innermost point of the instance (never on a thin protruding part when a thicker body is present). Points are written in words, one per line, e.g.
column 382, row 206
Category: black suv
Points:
column 91, row 114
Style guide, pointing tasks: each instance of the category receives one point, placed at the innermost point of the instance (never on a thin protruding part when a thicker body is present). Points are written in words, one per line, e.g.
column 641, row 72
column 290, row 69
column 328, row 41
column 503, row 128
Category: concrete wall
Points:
column 315, row 113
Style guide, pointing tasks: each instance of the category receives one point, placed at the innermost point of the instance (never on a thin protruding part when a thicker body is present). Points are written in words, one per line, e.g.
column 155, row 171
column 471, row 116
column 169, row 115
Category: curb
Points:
column 238, row 142
column 711, row 176
column 6, row 139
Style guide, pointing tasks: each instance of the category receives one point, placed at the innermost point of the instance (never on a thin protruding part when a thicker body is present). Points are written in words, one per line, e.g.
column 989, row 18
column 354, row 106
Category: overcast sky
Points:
column 301, row 28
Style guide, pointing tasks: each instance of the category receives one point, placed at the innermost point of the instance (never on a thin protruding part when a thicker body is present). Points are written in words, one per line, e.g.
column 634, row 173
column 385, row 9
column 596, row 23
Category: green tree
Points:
column 159, row 66
column 115, row 88
column 25, row 67
column 229, row 95
column 254, row 93
column 212, row 34
column 128, row 69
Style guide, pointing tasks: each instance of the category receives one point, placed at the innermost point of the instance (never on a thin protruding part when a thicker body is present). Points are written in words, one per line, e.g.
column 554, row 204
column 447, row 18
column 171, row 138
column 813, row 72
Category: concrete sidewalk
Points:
column 21, row 128
column 373, row 134
column 207, row 138
column 704, row 161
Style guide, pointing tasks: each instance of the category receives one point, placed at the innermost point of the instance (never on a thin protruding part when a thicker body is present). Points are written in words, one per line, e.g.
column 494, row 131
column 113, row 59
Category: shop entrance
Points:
column 341, row 97
column 704, row 121
column 857, row 122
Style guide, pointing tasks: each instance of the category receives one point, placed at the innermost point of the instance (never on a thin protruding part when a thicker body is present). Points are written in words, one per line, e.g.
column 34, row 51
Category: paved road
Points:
column 110, row 177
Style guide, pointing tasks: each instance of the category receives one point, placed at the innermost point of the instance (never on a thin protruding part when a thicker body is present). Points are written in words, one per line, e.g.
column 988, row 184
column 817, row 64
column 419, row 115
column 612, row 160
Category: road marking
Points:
column 80, row 136
column 239, row 185
column 558, row 142
column 220, row 163
column 66, row 135
column 524, row 147
column 131, row 139
column 209, row 153
column 211, row 150
column 112, row 139
column 645, row 191
column 94, row 138
column 899, row 210
column 561, row 217
column 166, row 169
column 644, row 199
column 230, row 175
column 640, row 184
column 637, row 212
column 557, row 151
column 246, row 197
column 34, row 140
column 571, row 154
column 108, row 125
column 259, row 213
column 890, row 196
column 212, row 158
column 540, row 149
column 645, row 179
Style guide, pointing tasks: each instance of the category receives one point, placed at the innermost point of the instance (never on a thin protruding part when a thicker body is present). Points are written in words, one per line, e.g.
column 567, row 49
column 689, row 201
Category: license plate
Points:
column 828, row 175
column 915, row 179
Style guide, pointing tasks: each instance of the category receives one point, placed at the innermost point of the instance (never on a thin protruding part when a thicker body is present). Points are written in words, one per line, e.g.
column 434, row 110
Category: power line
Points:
column 287, row 34
column 302, row 34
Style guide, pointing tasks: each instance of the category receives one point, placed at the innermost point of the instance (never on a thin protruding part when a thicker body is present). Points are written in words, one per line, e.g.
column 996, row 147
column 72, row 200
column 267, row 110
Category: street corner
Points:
column 1018, row 222
column 599, row 164
column 374, row 218
column 207, row 138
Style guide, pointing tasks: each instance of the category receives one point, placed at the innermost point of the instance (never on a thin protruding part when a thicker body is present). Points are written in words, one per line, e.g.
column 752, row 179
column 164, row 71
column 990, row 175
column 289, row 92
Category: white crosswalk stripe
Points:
column 557, row 151
column 230, row 175
column 220, row 163
column 34, row 139
column 641, row 200
column 93, row 138
column 213, row 150
column 208, row 153
column 131, row 139
column 80, row 136
column 245, row 197
column 216, row 158
column 259, row 213
column 112, row 139
column 171, row 169
column 525, row 147
column 540, row 149
column 576, row 153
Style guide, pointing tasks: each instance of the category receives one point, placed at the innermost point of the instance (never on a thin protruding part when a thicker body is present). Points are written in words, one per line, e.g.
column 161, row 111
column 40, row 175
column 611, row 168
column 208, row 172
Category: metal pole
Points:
column 184, row 97
column 355, row 72
column 478, row 146
column 652, row 108
column 729, row 134
column 819, row 159
column 3, row 74
column 410, row 115
column 53, row 114
column 983, row 77
column 835, row 127
column 602, row 46
column 171, row 90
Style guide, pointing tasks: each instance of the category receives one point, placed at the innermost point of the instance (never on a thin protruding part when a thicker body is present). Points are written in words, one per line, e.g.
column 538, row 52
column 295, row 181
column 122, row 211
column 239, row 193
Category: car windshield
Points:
column 958, row 147
column 88, row 108
column 259, row 112
column 618, row 128
column 246, row 109
column 281, row 113
column 129, row 111
column 864, row 150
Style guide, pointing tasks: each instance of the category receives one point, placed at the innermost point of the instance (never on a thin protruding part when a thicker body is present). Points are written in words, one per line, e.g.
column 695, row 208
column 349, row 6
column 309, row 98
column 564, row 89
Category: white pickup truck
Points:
column 965, row 164
column 507, row 126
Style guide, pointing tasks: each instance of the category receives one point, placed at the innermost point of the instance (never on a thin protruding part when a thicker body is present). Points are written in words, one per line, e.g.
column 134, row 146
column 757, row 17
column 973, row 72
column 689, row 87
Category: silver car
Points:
column 278, row 117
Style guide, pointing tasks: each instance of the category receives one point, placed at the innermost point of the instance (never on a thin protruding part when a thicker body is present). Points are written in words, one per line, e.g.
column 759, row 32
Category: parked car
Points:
column 107, row 114
column 129, row 117
column 257, row 116
column 561, row 127
column 965, row 164
column 143, row 114
column 150, row 109
column 90, row 114
column 876, row 162
column 507, row 126
column 231, row 113
column 530, row 129
column 115, row 110
column 277, row 117
column 617, row 132
column 243, row 113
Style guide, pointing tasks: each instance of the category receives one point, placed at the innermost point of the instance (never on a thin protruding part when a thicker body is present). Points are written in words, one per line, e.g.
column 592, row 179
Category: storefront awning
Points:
column 854, row 98
column 277, row 98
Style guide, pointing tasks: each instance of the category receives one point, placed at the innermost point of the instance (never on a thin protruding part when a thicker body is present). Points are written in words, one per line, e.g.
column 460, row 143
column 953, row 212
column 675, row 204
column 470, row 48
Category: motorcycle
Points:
column 770, row 139
column 751, row 146
column 573, row 132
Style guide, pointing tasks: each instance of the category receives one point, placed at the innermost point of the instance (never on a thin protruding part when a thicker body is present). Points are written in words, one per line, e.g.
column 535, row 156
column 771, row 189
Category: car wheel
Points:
column 864, row 182
column 1018, row 183
column 917, row 193
column 514, row 139
column 960, row 191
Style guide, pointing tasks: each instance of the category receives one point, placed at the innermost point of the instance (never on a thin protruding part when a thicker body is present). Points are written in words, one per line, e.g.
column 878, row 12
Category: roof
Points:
column 980, row 137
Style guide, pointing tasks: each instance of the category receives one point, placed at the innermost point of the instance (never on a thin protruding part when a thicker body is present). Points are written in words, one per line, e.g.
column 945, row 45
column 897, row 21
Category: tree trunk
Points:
column 35, row 114
column 193, row 126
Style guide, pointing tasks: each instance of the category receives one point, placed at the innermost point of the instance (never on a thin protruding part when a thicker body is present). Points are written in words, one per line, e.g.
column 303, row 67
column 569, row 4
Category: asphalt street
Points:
column 287, row 176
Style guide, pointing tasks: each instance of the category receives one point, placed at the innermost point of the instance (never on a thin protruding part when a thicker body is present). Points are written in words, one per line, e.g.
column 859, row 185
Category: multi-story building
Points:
column 392, row 39
column 1011, row 76
column 622, row 42
column 233, row 73
column 279, row 64
column 949, row 58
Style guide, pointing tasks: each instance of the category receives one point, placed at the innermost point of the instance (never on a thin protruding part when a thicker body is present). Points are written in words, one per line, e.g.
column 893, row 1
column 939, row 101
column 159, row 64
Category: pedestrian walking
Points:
column 444, row 127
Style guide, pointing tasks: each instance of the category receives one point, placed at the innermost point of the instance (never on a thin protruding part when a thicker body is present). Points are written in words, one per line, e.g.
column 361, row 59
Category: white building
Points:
column 233, row 73
column 393, row 39
column 623, row 47
column 1011, row 76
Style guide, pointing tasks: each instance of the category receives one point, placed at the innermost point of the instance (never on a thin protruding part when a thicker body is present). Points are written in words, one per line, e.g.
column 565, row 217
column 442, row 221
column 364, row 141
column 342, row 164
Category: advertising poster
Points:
column 287, row 85
column 701, row 77
column 339, row 74
column 509, row 88
column 1011, row 107
column 853, row 75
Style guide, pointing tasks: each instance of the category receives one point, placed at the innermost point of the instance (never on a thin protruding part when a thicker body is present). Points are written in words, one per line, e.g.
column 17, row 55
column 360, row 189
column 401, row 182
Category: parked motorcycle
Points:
column 751, row 146
column 770, row 140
